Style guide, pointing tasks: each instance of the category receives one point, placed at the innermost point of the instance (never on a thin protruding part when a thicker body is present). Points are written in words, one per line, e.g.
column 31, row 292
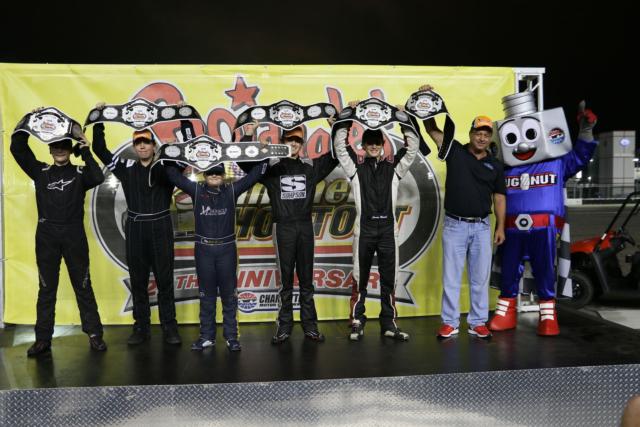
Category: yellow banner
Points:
column 221, row 93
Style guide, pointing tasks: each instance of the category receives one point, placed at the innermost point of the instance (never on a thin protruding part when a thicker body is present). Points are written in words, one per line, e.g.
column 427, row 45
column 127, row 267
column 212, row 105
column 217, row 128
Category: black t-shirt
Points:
column 471, row 183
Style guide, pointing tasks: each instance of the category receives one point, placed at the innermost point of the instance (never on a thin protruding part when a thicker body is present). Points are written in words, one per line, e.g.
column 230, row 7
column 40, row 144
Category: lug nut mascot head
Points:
column 539, row 158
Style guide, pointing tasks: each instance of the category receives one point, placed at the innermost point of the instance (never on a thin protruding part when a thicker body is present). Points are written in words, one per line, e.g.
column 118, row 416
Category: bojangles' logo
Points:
column 334, row 214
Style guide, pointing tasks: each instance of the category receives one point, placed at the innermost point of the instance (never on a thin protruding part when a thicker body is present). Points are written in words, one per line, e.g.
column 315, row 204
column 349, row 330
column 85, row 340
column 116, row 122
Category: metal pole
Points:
column 1, row 221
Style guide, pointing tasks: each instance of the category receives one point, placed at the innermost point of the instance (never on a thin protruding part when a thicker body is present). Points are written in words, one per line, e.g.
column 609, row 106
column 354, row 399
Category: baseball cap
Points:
column 481, row 122
column 143, row 134
column 375, row 137
column 295, row 133
column 216, row 170
column 63, row 144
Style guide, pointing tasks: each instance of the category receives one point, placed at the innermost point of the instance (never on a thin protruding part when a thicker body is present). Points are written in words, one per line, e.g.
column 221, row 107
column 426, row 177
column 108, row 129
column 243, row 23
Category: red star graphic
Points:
column 241, row 95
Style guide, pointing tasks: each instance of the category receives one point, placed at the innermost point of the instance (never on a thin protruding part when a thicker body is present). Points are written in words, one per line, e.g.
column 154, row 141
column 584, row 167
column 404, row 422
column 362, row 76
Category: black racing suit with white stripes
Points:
column 148, row 231
column 374, row 183
column 60, row 194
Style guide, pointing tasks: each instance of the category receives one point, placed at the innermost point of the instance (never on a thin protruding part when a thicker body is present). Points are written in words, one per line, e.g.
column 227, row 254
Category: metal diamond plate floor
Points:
column 582, row 377
column 586, row 396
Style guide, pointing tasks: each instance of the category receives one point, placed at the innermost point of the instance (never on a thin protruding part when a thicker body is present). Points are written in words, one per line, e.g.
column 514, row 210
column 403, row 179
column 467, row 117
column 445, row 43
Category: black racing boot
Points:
column 282, row 334
column 39, row 347
column 234, row 345
column 171, row 335
column 396, row 334
column 357, row 330
column 314, row 335
column 138, row 336
column 97, row 343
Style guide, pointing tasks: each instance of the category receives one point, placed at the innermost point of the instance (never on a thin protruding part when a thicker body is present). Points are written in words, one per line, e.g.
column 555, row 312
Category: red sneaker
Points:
column 481, row 331
column 504, row 317
column 446, row 331
column 548, row 324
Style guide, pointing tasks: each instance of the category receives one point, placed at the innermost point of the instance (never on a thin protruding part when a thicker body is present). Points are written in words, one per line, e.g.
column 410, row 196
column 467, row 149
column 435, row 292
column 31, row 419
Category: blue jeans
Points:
column 471, row 242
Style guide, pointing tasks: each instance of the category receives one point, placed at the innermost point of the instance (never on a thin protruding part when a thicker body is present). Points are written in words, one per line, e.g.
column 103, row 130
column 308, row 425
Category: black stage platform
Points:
column 584, row 341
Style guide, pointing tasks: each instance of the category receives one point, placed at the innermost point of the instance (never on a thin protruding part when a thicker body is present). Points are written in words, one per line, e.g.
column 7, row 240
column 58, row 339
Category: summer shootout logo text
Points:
column 334, row 214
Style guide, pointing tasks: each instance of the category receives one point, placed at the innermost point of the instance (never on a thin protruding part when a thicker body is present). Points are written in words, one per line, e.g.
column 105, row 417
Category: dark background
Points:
column 586, row 48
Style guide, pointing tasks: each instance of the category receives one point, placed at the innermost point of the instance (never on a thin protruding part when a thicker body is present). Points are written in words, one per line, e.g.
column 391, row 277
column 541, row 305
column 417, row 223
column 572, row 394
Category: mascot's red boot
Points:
column 548, row 325
column 504, row 317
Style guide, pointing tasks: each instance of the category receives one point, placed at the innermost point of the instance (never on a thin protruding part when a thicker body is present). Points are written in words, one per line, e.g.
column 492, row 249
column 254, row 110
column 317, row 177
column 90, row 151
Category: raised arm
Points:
column 114, row 163
column 99, row 142
column 578, row 158
column 434, row 131
column 403, row 161
column 175, row 176
column 582, row 152
column 253, row 176
column 340, row 135
column 23, row 154
column 92, row 175
column 323, row 165
column 100, row 145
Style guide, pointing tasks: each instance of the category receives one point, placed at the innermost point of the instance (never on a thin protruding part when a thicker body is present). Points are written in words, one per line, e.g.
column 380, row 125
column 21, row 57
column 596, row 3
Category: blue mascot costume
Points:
column 539, row 158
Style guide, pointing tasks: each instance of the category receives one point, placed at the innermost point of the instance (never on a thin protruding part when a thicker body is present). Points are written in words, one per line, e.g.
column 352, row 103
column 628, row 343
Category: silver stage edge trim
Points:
column 573, row 396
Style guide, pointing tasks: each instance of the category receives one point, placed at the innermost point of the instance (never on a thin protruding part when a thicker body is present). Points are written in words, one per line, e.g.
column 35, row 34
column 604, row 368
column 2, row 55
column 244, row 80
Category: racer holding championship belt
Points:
column 60, row 191
column 148, row 231
column 216, row 255
column 374, row 183
column 291, row 185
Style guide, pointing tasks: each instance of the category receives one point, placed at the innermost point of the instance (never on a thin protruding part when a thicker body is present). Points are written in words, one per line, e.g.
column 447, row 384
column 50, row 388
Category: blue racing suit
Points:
column 216, row 254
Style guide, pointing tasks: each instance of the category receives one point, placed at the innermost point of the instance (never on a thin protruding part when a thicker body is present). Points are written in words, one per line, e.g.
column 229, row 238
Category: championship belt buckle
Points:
column 204, row 152
column 524, row 222
column 140, row 113
column 426, row 104
column 285, row 114
column 48, row 125
column 374, row 113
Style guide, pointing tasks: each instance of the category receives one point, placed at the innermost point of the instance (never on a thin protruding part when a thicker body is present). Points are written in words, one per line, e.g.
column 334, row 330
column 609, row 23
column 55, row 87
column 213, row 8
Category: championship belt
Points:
column 204, row 152
column 426, row 104
column 374, row 114
column 286, row 114
column 48, row 125
column 140, row 114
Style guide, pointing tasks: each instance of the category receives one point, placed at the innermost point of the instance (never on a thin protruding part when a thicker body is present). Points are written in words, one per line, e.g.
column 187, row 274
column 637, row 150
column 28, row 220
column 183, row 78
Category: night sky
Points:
column 588, row 51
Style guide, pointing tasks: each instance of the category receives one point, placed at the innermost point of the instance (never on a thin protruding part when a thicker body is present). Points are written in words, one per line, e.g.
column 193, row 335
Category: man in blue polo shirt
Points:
column 475, row 178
